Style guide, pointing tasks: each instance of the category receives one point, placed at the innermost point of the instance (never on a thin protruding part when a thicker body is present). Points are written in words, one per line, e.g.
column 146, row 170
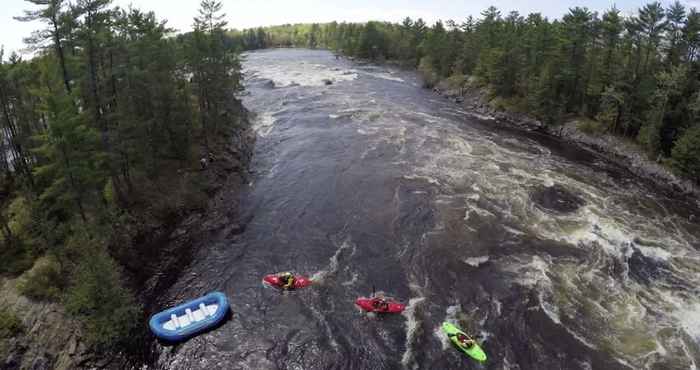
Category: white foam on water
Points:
column 506, row 364
column 586, row 365
column 384, row 76
column 498, row 306
column 609, row 235
column 473, row 208
column 329, row 331
column 654, row 252
column 459, row 145
column 428, row 117
column 412, row 324
column 512, row 230
column 688, row 354
column 352, row 281
column 688, row 317
column 533, row 273
column 484, row 335
column 476, row 261
column 286, row 73
column 549, row 309
column 442, row 337
column 481, row 116
column 264, row 123
column 429, row 179
column 333, row 262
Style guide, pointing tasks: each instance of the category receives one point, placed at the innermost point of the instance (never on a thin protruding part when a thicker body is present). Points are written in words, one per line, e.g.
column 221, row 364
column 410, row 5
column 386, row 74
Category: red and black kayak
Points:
column 274, row 280
column 380, row 305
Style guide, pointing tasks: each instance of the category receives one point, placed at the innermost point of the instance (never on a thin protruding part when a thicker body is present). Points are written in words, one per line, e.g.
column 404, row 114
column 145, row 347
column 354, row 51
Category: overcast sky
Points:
column 246, row 13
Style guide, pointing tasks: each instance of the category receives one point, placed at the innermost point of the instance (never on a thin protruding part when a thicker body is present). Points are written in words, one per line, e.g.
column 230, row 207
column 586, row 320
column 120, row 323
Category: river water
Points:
column 554, row 258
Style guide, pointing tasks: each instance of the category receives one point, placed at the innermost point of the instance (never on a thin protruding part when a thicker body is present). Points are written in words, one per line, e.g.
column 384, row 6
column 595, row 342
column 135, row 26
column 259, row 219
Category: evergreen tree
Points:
column 52, row 13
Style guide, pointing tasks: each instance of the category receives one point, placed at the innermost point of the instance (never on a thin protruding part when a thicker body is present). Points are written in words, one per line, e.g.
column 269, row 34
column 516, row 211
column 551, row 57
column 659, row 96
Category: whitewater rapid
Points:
column 552, row 256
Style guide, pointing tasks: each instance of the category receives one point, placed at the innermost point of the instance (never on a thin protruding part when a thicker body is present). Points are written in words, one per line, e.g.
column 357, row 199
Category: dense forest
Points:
column 636, row 76
column 103, row 132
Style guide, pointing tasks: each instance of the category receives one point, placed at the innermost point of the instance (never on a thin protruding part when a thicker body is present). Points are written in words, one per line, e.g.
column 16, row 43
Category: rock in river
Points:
column 556, row 198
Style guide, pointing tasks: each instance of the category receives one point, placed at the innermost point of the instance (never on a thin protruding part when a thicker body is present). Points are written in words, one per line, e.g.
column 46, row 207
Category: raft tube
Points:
column 190, row 318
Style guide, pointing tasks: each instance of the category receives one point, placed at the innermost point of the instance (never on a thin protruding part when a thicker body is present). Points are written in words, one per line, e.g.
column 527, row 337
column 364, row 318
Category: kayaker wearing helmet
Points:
column 287, row 280
column 465, row 341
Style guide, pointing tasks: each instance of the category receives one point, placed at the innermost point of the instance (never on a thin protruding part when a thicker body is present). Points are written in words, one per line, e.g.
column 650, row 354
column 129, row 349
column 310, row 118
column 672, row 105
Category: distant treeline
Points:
column 99, row 132
column 632, row 76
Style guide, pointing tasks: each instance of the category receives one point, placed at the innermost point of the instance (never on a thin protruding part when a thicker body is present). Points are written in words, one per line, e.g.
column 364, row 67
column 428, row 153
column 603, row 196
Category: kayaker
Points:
column 465, row 341
column 288, row 280
column 381, row 304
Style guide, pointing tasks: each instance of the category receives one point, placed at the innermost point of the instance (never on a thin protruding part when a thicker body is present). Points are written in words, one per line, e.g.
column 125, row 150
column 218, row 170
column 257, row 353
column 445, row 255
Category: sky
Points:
column 247, row 13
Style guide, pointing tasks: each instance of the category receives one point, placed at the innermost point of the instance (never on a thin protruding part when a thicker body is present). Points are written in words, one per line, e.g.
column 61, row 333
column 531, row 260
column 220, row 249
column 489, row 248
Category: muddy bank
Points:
column 612, row 148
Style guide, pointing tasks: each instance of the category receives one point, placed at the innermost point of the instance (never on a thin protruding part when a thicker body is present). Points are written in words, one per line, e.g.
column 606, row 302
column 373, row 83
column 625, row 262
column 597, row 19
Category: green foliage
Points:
column 428, row 73
column 649, row 137
column 685, row 154
column 44, row 281
column 456, row 81
column 16, row 259
column 10, row 324
column 590, row 126
column 612, row 102
column 19, row 214
column 215, row 69
column 109, row 116
column 97, row 296
column 70, row 155
column 19, row 252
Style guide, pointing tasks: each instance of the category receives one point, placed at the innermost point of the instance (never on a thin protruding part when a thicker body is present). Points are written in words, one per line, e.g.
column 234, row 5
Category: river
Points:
column 552, row 256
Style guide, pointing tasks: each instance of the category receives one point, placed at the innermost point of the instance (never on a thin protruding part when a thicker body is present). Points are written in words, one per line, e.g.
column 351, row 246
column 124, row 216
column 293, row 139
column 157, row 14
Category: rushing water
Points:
column 555, row 258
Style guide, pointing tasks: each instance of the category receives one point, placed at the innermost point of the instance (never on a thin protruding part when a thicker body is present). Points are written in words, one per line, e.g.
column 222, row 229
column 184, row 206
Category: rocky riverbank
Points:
column 51, row 339
column 48, row 338
column 612, row 148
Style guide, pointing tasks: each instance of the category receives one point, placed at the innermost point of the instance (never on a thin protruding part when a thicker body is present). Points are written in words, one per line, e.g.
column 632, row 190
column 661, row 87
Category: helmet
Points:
column 287, row 274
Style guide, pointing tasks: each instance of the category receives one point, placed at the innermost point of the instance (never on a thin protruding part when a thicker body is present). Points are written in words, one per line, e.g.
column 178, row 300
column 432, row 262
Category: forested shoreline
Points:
column 107, row 133
column 108, row 129
column 633, row 77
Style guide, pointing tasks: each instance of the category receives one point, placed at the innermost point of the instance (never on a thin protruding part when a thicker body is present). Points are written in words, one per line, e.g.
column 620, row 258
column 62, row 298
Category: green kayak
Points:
column 474, row 352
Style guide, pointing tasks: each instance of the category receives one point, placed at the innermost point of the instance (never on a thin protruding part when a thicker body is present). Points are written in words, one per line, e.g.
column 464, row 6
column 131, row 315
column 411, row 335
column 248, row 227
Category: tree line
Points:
column 99, row 130
column 632, row 76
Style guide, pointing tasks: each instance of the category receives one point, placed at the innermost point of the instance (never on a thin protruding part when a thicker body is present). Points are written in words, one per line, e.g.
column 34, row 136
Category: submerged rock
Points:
column 556, row 198
column 269, row 84
column 327, row 82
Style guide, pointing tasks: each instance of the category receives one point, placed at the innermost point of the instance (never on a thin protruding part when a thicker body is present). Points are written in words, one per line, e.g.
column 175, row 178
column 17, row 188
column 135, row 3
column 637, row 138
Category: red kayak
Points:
column 380, row 305
column 275, row 281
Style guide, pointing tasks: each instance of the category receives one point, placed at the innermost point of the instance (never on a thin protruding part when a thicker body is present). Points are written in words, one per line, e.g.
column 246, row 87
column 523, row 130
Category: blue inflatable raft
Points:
column 190, row 318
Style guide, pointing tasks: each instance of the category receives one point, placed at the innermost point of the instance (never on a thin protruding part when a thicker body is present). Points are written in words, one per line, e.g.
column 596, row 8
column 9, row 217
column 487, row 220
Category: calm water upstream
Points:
column 554, row 257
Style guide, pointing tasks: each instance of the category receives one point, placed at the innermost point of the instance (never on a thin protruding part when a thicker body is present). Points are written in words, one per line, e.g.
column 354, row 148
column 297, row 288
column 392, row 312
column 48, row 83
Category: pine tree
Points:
column 53, row 14
column 216, row 70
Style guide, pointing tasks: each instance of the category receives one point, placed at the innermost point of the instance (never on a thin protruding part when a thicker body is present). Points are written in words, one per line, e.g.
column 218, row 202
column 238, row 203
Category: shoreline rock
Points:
column 50, row 339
